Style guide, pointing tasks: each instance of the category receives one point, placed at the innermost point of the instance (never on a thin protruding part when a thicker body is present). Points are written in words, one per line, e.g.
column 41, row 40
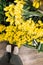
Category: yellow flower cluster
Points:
column 22, row 31
column 36, row 3
column 14, row 12
column 10, row 13
column 25, row 32
column 18, row 12
column 14, row 35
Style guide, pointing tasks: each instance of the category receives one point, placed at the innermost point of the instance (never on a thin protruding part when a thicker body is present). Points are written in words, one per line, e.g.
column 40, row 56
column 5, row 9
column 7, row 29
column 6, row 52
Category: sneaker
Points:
column 8, row 48
column 16, row 50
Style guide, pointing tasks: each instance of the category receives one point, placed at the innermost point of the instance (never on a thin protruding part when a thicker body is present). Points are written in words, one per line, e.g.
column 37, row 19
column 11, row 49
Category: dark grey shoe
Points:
column 15, row 60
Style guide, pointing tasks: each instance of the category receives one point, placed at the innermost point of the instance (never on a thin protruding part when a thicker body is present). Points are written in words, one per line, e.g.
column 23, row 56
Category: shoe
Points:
column 8, row 48
column 16, row 50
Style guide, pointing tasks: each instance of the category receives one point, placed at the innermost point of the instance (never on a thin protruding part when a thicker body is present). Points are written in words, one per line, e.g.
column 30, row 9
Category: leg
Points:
column 7, row 55
column 15, row 59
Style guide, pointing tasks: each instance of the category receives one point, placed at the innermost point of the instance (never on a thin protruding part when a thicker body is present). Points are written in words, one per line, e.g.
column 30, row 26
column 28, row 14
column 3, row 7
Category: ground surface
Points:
column 28, row 56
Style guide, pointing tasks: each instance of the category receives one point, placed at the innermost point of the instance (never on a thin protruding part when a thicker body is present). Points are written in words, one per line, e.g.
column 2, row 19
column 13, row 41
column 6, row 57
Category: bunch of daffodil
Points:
column 10, row 13
column 14, row 12
column 21, row 31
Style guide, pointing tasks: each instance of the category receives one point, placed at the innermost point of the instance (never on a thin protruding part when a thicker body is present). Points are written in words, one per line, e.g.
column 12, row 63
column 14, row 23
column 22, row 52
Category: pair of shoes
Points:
column 12, row 49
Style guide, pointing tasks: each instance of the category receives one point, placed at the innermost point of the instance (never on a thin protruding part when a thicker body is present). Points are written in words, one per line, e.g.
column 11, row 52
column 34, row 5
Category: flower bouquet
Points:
column 21, row 23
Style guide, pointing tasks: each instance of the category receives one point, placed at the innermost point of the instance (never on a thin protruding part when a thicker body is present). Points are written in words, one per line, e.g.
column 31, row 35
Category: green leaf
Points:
column 27, row 14
column 40, row 48
column 27, row 5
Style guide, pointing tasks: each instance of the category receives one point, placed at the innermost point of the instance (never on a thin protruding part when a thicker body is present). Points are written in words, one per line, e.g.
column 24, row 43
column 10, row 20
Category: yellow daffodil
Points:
column 36, row 3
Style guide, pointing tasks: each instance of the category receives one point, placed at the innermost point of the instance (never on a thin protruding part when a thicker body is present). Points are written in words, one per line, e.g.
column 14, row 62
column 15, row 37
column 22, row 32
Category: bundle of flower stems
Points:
column 21, row 23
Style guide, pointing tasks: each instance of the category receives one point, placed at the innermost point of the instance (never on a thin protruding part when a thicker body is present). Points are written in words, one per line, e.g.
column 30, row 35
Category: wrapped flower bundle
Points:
column 21, row 22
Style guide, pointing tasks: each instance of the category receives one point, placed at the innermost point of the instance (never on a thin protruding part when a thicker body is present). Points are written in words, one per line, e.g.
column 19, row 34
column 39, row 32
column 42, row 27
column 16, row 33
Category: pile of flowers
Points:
column 22, row 22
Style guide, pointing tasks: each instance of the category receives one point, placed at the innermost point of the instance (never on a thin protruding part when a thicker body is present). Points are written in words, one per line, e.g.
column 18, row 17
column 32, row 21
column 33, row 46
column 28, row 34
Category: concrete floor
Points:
column 28, row 56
